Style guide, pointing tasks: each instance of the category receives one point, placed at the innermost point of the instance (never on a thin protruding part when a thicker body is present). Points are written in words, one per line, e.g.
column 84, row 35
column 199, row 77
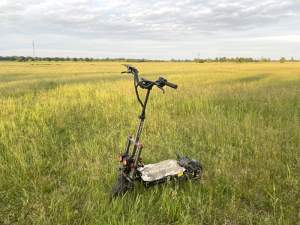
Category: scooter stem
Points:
column 140, row 125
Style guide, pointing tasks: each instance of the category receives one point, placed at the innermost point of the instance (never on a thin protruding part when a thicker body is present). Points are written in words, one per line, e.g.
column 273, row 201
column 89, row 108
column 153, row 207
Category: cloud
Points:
column 150, row 29
column 153, row 19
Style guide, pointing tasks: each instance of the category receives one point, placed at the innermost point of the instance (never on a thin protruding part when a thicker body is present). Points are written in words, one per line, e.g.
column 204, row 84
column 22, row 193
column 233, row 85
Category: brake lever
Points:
column 126, row 71
column 160, row 88
column 127, row 66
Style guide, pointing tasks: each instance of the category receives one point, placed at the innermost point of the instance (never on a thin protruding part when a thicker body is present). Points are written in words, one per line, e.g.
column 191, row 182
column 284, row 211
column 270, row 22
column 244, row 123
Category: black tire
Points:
column 198, row 173
column 120, row 188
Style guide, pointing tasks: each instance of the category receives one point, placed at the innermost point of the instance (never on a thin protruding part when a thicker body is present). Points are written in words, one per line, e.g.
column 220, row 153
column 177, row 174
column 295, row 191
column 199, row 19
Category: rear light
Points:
column 120, row 158
column 125, row 162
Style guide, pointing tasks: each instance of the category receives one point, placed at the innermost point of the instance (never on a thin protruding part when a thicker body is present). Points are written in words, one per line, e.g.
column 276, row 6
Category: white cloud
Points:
column 164, row 21
column 136, row 16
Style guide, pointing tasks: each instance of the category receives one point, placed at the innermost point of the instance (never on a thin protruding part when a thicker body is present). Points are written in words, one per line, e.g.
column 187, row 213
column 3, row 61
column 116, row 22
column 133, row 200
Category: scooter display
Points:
column 132, row 167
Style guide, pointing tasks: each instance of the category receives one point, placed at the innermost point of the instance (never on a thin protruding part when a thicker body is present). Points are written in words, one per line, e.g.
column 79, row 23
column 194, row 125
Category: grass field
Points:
column 62, row 126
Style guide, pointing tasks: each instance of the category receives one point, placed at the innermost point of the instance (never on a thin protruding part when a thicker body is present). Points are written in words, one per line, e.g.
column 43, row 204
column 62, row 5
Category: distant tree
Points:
column 262, row 59
column 242, row 60
column 236, row 59
column 282, row 60
column 216, row 59
column 74, row 59
column 86, row 59
column 232, row 60
column 209, row 60
column 20, row 59
column 12, row 58
column 56, row 59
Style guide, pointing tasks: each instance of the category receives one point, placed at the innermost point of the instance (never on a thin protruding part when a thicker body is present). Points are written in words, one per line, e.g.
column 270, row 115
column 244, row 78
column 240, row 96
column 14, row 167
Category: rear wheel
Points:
column 198, row 172
column 120, row 188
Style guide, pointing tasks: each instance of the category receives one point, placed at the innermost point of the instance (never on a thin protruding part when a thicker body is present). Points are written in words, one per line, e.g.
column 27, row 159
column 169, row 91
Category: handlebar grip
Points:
column 170, row 84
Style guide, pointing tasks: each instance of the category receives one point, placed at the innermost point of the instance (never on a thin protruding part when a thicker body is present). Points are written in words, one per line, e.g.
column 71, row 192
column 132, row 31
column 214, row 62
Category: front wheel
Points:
column 120, row 188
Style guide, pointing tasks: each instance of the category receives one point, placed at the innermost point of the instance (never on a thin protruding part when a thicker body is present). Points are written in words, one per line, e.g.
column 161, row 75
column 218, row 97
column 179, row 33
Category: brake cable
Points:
column 137, row 93
column 140, row 83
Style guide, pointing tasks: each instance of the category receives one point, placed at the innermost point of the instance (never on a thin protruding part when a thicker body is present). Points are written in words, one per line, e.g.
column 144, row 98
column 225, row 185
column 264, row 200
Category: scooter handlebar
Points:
column 147, row 83
column 169, row 84
column 131, row 69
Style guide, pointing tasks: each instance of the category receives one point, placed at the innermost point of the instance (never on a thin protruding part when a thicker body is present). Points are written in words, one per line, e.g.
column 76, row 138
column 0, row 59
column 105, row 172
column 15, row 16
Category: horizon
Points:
column 118, row 59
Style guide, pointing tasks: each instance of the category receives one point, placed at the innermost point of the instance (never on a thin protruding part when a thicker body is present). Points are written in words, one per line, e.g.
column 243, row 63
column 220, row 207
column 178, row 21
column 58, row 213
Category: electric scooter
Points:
column 132, row 167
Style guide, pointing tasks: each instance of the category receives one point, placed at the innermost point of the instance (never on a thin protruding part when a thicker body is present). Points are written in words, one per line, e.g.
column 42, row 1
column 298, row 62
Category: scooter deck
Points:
column 157, row 171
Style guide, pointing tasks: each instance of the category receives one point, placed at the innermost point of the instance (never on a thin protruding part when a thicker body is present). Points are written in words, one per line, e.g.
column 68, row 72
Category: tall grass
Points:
column 62, row 126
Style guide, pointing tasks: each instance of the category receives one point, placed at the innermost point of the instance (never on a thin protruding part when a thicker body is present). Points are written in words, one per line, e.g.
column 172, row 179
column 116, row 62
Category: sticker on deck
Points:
column 152, row 172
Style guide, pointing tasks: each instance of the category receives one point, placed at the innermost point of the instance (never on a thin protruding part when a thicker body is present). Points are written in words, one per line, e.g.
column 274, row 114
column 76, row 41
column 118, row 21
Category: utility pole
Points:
column 33, row 50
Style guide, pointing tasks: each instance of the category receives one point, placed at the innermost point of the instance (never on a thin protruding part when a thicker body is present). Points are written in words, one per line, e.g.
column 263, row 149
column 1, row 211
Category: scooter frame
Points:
column 129, row 172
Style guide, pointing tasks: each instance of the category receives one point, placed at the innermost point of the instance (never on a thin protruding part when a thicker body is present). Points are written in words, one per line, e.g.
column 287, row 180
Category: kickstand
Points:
column 180, row 182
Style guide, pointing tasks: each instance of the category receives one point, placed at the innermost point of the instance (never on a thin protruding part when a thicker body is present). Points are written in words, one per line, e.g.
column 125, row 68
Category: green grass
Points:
column 62, row 126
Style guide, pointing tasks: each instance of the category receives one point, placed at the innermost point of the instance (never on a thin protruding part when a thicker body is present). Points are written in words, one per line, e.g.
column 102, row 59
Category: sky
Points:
column 153, row 29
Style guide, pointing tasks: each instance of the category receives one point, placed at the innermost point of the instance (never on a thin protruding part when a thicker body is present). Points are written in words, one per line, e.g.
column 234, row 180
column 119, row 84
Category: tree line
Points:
column 56, row 59
column 242, row 60
column 236, row 60
column 87, row 59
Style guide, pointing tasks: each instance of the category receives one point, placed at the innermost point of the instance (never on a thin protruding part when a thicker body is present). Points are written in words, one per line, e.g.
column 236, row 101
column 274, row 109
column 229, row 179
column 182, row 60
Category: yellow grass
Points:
column 63, row 124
